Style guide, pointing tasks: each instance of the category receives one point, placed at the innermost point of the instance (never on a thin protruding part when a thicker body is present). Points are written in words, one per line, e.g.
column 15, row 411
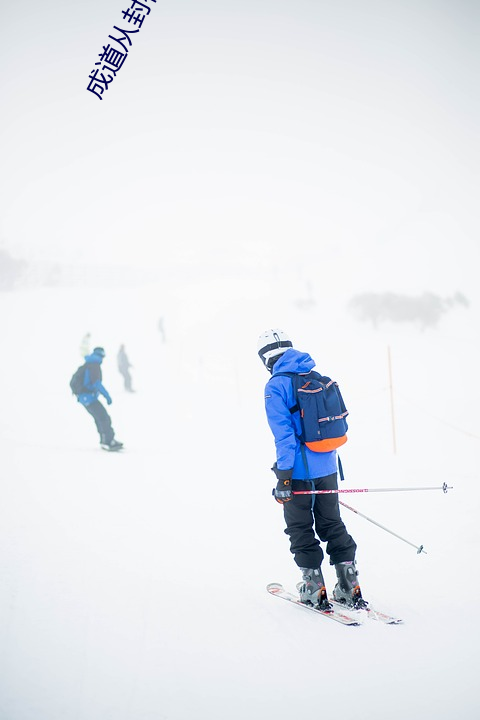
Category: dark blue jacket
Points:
column 285, row 426
column 93, row 381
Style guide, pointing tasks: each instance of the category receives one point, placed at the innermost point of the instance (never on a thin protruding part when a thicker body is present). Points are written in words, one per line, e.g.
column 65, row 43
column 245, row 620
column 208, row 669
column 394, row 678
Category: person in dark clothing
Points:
column 124, row 366
column 309, row 518
column 92, row 388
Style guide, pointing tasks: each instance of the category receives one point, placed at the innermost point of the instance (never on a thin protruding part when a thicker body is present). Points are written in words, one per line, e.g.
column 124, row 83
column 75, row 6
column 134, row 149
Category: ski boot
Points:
column 347, row 590
column 312, row 589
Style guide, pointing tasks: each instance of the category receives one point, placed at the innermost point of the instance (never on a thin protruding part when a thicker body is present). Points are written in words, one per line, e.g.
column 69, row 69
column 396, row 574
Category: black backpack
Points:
column 77, row 382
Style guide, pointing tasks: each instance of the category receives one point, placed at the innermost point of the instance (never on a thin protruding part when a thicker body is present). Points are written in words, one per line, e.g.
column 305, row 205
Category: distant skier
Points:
column 161, row 329
column 87, row 386
column 300, row 468
column 85, row 345
column 124, row 366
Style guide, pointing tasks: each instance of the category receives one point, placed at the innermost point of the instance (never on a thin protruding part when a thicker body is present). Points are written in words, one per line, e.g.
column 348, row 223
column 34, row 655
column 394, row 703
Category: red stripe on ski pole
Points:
column 443, row 487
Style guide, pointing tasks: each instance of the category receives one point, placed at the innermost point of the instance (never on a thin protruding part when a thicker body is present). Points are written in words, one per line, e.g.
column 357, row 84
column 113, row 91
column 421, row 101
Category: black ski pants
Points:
column 102, row 421
column 310, row 517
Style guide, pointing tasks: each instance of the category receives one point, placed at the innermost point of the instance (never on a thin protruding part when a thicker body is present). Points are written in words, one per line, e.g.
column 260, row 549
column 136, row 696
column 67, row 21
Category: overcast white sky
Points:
column 246, row 129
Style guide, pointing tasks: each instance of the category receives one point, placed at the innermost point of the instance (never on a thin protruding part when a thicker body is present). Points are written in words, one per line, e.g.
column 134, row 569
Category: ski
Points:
column 371, row 613
column 336, row 613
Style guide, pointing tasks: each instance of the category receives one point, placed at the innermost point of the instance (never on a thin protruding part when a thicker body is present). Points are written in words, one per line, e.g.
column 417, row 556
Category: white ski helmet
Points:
column 271, row 344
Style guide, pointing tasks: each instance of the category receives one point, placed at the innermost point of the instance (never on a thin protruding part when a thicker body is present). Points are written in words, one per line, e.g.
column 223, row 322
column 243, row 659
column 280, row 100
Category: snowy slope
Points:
column 116, row 569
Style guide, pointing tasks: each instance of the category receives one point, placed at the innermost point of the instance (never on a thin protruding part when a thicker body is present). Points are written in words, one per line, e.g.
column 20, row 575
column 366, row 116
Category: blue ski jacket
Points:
column 285, row 426
column 93, row 381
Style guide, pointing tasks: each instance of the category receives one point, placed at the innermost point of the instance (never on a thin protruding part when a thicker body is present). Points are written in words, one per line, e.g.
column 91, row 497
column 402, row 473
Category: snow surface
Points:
column 133, row 584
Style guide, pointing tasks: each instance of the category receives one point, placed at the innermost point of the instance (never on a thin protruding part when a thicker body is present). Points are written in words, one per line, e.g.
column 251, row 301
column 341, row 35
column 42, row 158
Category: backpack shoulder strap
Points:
column 293, row 377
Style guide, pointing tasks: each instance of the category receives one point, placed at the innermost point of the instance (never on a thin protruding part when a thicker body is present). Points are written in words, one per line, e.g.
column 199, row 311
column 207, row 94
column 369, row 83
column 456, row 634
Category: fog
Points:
column 309, row 165
column 235, row 132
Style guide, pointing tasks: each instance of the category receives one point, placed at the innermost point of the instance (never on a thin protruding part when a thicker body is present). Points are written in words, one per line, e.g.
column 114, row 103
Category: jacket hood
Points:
column 93, row 358
column 293, row 361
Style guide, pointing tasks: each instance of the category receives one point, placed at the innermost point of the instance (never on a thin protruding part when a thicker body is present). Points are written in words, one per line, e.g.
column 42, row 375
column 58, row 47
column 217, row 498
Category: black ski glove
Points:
column 283, row 492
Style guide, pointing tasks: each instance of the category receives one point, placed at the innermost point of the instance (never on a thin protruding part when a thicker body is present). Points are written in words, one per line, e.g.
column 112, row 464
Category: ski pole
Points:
column 419, row 548
column 443, row 487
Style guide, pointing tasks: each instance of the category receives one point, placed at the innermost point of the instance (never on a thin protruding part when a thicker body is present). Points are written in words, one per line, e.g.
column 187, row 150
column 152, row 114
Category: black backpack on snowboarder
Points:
column 78, row 379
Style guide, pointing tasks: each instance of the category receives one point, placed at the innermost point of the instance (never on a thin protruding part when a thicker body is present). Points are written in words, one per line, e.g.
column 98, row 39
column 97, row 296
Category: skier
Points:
column 92, row 388
column 308, row 518
column 85, row 345
column 123, row 364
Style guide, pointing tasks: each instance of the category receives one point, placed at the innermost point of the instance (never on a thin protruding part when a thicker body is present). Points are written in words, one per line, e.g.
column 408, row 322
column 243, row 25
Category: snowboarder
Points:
column 309, row 518
column 88, row 397
column 123, row 364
